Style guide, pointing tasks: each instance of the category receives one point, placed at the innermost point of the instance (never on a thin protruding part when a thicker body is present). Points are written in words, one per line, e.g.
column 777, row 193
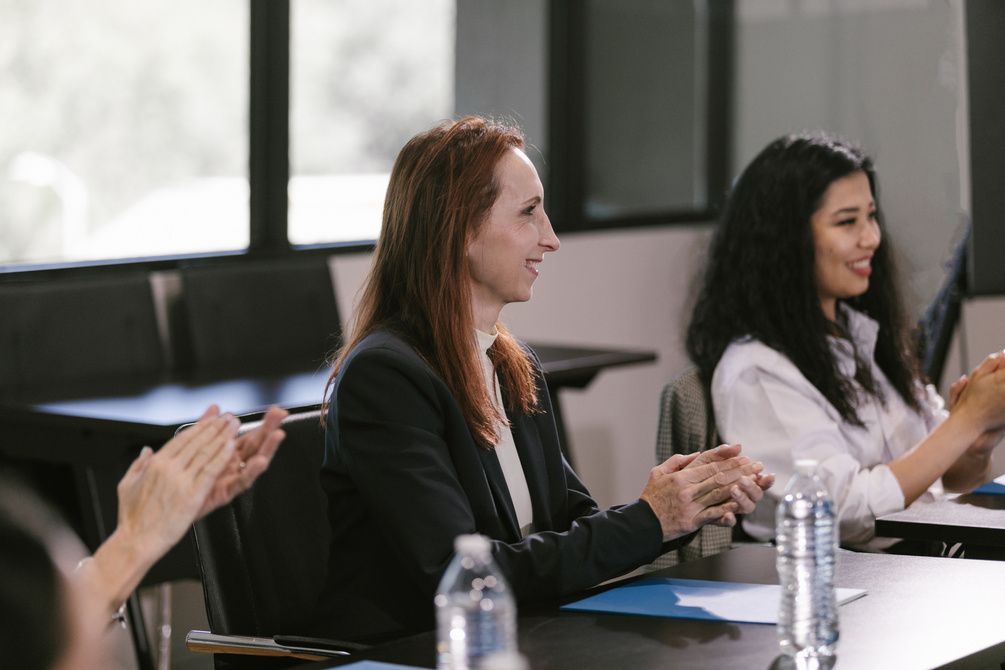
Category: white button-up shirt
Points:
column 762, row 401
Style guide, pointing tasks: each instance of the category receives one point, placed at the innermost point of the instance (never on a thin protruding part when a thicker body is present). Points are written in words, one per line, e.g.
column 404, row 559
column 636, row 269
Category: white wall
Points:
column 884, row 73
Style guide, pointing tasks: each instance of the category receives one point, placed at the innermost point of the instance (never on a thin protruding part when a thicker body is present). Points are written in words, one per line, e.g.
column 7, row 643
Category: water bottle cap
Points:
column 471, row 544
column 806, row 466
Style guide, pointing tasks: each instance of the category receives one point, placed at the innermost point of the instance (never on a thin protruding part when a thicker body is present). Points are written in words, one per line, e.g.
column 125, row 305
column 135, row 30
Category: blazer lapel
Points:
column 528, row 446
column 500, row 492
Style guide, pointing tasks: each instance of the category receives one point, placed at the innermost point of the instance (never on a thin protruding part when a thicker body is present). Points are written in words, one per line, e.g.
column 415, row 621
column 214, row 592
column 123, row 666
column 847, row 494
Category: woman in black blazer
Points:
column 439, row 421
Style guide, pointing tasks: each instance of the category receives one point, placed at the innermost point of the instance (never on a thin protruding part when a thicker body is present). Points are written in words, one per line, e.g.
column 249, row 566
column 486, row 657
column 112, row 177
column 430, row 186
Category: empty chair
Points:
column 264, row 557
column 75, row 333
column 277, row 313
column 686, row 425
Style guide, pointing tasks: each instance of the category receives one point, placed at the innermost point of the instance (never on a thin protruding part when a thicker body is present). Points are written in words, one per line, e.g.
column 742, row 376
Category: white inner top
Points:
column 505, row 448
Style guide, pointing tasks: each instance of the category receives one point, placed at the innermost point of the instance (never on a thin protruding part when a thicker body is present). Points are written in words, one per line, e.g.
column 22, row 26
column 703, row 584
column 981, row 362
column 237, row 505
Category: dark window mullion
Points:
column 566, row 122
column 722, row 30
column 269, row 125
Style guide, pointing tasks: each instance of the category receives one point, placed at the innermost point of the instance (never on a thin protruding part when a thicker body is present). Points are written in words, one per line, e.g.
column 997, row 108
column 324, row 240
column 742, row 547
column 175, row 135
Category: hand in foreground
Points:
column 687, row 492
column 163, row 493
column 252, row 454
column 198, row 470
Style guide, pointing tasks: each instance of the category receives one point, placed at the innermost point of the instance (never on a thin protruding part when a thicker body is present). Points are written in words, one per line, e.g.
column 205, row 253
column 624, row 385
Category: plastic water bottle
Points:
column 475, row 610
column 806, row 533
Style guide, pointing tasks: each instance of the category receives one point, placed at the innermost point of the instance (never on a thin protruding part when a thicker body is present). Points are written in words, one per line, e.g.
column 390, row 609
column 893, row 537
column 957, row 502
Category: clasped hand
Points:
column 689, row 491
column 983, row 393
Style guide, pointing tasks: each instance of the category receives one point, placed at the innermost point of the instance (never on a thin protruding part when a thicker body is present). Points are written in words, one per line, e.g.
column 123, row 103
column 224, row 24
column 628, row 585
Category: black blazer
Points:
column 404, row 477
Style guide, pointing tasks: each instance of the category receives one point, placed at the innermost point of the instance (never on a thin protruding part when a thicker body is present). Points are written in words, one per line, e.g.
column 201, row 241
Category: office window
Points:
column 645, row 157
column 365, row 76
column 124, row 128
column 639, row 111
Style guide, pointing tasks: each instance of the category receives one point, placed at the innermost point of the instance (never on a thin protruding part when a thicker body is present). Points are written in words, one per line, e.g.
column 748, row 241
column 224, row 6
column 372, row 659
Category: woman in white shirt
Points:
column 801, row 334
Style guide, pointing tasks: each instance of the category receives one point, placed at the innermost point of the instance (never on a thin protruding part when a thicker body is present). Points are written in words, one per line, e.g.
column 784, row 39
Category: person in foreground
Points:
column 54, row 607
column 800, row 331
column 439, row 422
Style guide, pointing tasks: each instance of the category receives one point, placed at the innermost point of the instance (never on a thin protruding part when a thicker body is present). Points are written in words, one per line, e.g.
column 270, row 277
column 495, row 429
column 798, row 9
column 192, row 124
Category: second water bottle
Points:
column 806, row 535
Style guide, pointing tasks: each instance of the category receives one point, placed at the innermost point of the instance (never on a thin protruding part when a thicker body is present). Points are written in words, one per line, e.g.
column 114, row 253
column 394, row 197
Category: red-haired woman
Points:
column 439, row 422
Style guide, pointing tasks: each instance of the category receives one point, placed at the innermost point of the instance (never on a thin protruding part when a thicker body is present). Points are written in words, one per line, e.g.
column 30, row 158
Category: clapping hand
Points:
column 687, row 492
column 252, row 454
column 985, row 372
column 200, row 469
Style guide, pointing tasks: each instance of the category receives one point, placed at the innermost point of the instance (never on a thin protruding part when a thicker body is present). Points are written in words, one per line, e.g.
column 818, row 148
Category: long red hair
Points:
column 442, row 187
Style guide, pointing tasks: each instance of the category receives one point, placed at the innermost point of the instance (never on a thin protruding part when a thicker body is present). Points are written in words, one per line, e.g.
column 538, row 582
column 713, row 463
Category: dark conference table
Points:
column 975, row 519
column 919, row 613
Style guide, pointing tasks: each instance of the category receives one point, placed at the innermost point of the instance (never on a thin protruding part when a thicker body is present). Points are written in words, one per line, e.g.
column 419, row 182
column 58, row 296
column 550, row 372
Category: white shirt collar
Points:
column 486, row 340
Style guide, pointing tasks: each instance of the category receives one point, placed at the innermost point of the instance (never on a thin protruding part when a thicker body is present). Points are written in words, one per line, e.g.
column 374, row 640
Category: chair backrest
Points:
column 258, row 313
column 264, row 557
column 687, row 422
column 686, row 425
column 73, row 332
column 934, row 332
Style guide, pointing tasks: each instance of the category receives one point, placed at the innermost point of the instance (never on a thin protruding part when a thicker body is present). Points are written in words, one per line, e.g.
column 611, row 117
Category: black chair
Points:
column 72, row 334
column 257, row 314
column 264, row 558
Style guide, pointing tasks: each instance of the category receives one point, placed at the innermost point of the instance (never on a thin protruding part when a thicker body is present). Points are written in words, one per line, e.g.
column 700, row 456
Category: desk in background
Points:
column 977, row 520
column 576, row 367
column 919, row 613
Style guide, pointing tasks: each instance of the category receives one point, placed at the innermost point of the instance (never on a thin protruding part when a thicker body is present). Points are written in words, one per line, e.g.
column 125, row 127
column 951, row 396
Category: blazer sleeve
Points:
column 399, row 436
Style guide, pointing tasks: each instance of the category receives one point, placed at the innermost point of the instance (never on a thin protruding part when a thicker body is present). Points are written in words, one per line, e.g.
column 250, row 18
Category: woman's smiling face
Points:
column 845, row 236
column 504, row 254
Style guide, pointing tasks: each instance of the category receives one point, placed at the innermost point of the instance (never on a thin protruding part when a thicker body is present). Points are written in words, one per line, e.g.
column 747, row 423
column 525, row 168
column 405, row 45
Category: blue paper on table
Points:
column 377, row 665
column 695, row 599
column 994, row 486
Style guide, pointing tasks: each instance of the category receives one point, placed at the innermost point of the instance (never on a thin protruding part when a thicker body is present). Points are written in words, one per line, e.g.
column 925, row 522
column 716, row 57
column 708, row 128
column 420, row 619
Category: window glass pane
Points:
column 125, row 128
column 366, row 75
column 645, row 104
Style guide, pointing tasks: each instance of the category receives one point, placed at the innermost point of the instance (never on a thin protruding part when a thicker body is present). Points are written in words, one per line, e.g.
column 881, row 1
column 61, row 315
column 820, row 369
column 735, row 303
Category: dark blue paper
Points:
column 992, row 487
column 695, row 599
column 377, row 665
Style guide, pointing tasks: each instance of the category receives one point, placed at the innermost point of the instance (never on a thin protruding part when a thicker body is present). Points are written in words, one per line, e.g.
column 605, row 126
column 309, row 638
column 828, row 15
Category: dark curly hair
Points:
column 760, row 280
